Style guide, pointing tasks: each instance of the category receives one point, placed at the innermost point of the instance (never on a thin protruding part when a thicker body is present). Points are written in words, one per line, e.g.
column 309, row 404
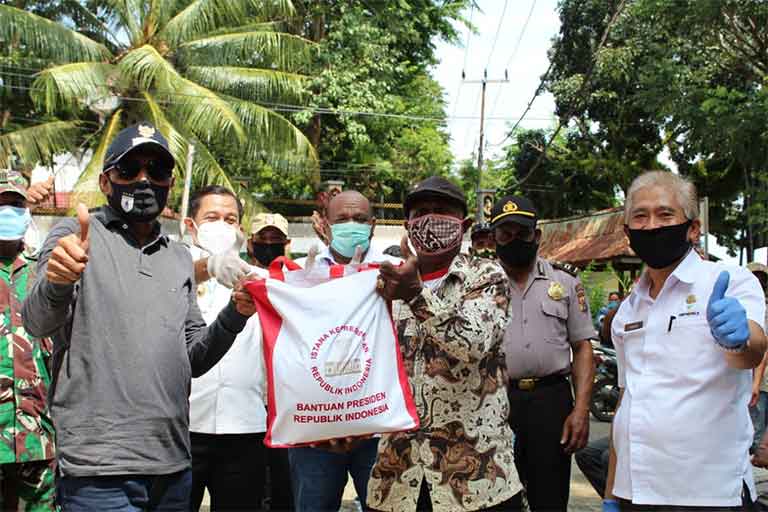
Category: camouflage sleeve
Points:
column 470, row 327
column 46, row 307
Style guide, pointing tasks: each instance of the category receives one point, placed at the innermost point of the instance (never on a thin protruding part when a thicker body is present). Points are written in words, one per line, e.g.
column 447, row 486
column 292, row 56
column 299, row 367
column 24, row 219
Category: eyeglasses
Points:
column 156, row 170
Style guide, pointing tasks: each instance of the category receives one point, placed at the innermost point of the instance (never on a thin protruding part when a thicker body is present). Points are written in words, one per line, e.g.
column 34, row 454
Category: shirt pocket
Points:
column 690, row 338
column 176, row 306
column 555, row 321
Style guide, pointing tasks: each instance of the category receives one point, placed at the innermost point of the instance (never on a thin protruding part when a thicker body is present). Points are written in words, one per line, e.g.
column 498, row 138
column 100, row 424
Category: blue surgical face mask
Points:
column 14, row 222
column 613, row 304
column 348, row 235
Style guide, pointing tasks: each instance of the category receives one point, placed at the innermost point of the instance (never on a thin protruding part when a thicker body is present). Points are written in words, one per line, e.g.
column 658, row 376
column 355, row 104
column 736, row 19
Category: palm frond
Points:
column 284, row 51
column 145, row 67
column 205, row 113
column 47, row 39
column 251, row 83
column 207, row 169
column 86, row 189
column 258, row 26
column 202, row 16
column 38, row 143
column 176, row 141
column 125, row 12
column 272, row 137
column 71, row 85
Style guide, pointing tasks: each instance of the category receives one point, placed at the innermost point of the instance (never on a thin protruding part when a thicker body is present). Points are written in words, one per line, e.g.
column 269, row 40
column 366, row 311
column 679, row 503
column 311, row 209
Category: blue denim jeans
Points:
column 126, row 493
column 759, row 413
column 319, row 476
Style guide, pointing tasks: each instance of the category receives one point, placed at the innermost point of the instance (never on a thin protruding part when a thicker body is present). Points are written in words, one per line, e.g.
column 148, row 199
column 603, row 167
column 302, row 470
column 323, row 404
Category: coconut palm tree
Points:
column 205, row 72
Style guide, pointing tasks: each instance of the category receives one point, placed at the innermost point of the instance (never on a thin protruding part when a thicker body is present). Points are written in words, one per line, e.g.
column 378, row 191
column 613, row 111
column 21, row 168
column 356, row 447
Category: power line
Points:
column 528, row 107
column 498, row 31
column 466, row 54
column 287, row 107
column 579, row 93
column 514, row 52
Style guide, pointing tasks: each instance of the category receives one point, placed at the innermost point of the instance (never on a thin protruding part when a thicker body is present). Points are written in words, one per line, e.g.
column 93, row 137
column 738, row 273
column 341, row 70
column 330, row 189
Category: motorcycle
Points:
column 605, row 392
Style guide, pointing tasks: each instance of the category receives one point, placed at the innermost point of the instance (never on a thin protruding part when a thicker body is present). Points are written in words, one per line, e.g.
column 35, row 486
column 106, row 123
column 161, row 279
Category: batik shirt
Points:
column 26, row 430
column 450, row 339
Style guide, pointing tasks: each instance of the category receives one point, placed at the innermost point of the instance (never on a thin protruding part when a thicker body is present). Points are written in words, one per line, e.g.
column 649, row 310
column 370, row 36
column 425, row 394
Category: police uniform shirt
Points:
column 546, row 319
column 682, row 433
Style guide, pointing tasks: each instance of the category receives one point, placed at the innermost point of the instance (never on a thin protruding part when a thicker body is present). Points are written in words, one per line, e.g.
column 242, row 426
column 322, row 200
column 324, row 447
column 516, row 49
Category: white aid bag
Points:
column 333, row 362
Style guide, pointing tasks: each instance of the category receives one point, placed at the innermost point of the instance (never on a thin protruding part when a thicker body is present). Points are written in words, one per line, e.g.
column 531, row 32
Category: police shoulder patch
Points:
column 565, row 267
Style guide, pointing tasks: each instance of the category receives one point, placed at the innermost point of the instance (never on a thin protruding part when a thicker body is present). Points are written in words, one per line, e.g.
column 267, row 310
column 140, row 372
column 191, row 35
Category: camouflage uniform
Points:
column 27, row 459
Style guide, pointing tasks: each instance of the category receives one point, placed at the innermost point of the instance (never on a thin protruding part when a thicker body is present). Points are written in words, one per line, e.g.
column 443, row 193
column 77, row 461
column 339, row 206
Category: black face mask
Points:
column 660, row 247
column 266, row 253
column 517, row 253
column 142, row 201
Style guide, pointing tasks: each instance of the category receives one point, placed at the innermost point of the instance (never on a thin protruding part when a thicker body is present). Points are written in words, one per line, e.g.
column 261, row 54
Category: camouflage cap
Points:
column 13, row 181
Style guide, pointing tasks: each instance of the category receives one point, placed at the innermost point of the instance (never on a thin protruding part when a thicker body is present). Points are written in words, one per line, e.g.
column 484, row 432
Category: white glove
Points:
column 228, row 268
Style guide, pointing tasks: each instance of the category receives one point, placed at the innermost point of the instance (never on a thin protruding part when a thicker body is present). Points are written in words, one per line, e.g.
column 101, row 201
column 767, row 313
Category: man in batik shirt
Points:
column 450, row 314
column 26, row 432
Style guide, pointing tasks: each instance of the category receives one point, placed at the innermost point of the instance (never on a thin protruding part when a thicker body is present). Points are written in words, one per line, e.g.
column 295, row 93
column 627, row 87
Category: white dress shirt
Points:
column 682, row 432
column 325, row 257
column 230, row 397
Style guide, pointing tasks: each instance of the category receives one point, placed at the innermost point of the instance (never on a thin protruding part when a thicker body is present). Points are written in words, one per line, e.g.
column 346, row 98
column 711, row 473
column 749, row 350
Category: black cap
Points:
column 434, row 186
column 517, row 209
column 138, row 135
column 480, row 227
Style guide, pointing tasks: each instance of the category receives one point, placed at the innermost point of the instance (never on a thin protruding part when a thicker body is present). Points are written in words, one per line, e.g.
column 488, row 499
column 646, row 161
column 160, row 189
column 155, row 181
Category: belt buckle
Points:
column 526, row 384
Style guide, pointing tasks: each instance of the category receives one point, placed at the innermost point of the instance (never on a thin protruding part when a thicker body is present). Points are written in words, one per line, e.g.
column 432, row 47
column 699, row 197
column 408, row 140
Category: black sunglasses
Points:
column 156, row 169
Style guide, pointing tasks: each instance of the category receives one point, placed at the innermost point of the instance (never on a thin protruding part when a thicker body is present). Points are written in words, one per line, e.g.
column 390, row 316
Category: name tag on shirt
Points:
column 633, row 326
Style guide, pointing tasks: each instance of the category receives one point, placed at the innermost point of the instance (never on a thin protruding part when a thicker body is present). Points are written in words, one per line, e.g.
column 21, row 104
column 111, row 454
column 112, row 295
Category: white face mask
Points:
column 217, row 237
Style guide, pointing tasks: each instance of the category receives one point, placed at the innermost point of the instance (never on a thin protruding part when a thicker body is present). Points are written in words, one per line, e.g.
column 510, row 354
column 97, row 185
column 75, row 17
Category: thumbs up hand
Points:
column 402, row 282
column 68, row 259
column 726, row 316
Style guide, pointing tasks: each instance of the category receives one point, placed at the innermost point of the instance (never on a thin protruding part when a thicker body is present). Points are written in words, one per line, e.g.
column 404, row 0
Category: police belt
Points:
column 532, row 383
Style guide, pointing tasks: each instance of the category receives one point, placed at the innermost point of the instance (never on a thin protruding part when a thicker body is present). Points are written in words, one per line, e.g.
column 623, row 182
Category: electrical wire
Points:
column 287, row 107
column 464, row 66
column 514, row 53
column 498, row 31
column 579, row 93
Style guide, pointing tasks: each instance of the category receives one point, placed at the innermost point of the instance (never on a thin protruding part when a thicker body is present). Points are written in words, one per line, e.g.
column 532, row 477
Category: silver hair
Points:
column 684, row 190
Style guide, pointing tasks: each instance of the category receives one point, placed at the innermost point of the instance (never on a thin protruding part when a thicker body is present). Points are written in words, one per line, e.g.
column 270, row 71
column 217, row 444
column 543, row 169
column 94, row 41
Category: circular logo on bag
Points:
column 340, row 360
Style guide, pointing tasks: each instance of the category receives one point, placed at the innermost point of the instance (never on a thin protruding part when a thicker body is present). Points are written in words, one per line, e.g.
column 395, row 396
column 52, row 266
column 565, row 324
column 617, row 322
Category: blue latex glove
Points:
column 611, row 506
column 726, row 316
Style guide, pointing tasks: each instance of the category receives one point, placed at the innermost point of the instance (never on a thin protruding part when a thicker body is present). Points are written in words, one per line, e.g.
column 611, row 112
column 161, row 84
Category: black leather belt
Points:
column 532, row 383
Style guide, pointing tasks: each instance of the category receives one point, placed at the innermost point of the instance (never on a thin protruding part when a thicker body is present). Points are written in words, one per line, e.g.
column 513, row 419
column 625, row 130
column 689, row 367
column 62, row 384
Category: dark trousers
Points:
column 537, row 418
column 319, row 476
column 593, row 462
column 125, row 493
column 514, row 504
column 747, row 505
column 232, row 467
column 279, row 480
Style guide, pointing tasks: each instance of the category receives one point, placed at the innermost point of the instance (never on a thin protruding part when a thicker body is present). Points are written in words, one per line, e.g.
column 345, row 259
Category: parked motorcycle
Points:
column 605, row 393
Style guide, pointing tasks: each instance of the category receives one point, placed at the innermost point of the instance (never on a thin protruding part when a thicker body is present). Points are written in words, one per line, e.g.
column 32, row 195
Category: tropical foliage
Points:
column 205, row 72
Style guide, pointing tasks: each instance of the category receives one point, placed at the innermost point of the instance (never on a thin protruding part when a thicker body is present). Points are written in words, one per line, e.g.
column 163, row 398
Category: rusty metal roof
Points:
column 578, row 240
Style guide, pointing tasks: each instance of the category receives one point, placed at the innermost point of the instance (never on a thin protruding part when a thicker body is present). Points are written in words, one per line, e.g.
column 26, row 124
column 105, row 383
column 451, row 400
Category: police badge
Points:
column 126, row 202
column 556, row 291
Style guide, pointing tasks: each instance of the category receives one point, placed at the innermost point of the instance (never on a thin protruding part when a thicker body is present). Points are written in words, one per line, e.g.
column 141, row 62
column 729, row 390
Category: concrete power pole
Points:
column 484, row 82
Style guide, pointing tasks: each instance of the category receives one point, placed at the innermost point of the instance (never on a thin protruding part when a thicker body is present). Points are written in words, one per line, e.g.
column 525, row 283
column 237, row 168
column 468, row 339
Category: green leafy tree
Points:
column 203, row 71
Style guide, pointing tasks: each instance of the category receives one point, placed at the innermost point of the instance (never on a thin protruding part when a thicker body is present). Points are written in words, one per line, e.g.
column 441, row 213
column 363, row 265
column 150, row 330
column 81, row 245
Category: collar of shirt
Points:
column 685, row 272
column 19, row 263
column 113, row 221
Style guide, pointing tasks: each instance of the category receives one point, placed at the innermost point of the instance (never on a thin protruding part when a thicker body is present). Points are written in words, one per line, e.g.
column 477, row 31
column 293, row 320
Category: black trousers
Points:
column 537, row 418
column 279, row 491
column 232, row 467
column 514, row 504
column 747, row 505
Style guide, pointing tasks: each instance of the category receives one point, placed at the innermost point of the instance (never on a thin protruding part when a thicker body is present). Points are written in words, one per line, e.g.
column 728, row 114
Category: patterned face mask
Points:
column 434, row 234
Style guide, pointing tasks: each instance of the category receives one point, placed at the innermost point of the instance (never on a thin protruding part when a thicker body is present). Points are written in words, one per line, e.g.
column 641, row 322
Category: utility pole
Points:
column 484, row 82
column 187, row 187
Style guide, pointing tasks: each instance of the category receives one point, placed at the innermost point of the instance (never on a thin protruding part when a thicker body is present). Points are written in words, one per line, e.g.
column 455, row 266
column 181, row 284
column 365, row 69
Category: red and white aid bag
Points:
column 333, row 363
